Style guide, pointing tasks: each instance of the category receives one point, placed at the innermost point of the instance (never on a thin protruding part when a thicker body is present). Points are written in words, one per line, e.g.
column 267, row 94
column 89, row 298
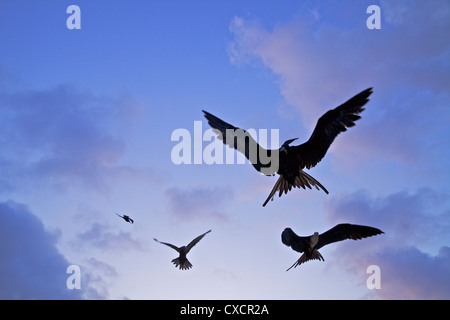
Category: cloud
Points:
column 63, row 135
column 415, row 225
column 32, row 267
column 320, row 65
column 406, row 272
column 102, row 237
column 198, row 202
column 408, row 217
column 409, row 273
column 304, row 52
column 100, row 276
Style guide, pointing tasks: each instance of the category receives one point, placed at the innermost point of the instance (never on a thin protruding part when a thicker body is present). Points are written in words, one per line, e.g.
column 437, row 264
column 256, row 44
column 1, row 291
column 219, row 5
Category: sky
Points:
column 87, row 122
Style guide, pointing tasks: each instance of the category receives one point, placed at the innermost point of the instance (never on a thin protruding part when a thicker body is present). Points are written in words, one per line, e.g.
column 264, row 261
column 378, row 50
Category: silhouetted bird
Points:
column 309, row 246
column 126, row 218
column 292, row 159
column 182, row 260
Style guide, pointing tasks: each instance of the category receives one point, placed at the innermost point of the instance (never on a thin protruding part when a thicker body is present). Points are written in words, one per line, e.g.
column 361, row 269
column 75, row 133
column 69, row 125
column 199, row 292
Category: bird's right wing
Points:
column 346, row 231
column 168, row 244
column 242, row 141
column 195, row 241
column 328, row 127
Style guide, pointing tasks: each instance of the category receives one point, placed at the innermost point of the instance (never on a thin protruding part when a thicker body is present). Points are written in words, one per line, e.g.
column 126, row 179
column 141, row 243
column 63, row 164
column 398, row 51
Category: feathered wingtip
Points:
column 314, row 256
column 185, row 265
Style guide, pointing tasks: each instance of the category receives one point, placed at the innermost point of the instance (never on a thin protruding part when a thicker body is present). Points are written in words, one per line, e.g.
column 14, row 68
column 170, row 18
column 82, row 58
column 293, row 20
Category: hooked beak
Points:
column 288, row 142
column 285, row 145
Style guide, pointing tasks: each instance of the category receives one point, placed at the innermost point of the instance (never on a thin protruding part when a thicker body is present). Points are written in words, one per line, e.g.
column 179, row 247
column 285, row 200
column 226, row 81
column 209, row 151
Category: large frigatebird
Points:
column 293, row 159
column 310, row 245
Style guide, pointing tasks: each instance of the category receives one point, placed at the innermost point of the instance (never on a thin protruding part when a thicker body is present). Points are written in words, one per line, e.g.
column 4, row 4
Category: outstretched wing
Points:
column 328, row 127
column 346, row 231
column 297, row 243
column 242, row 141
column 195, row 241
column 168, row 244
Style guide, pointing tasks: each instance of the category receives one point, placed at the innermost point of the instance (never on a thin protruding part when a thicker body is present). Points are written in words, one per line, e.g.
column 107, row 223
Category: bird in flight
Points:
column 293, row 159
column 182, row 262
column 126, row 218
column 309, row 246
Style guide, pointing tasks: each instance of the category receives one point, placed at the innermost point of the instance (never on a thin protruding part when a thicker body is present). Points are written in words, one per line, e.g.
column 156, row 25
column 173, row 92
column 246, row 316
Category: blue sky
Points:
column 86, row 118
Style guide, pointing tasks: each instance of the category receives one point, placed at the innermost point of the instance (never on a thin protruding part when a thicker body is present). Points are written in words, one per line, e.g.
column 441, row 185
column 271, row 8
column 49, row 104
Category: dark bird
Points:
column 126, row 218
column 182, row 262
column 293, row 159
column 309, row 246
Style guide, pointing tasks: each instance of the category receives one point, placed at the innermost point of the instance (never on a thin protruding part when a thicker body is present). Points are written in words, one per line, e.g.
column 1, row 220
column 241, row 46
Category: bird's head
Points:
column 286, row 236
column 285, row 147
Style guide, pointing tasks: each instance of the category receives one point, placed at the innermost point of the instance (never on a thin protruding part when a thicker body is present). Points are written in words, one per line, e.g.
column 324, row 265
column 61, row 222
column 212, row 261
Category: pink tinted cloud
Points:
column 405, row 272
column 409, row 273
column 321, row 65
column 415, row 224
column 419, row 217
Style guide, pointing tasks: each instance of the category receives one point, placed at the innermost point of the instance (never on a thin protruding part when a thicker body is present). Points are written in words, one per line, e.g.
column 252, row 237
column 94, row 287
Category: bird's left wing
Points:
column 346, row 231
column 291, row 239
column 195, row 241
column 168, row 244
column 242, row 141
column 328, row 127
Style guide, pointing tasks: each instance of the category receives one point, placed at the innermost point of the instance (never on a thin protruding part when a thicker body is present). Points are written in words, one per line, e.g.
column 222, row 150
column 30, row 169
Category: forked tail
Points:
column 314, row 256
column 183, row 264
column 303, row 180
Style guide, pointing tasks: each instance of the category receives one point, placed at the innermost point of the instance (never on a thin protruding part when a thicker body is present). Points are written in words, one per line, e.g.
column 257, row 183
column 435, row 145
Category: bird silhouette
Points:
column 126, row 218
column 310, row 245
column 182, row 262
column 293, row 159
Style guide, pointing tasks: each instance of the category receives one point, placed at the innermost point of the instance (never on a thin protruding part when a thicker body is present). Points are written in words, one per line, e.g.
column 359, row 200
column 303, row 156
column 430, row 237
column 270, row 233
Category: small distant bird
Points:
column 293, row 159
column 182, row 262
column 126, row 218
column 309, row 246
